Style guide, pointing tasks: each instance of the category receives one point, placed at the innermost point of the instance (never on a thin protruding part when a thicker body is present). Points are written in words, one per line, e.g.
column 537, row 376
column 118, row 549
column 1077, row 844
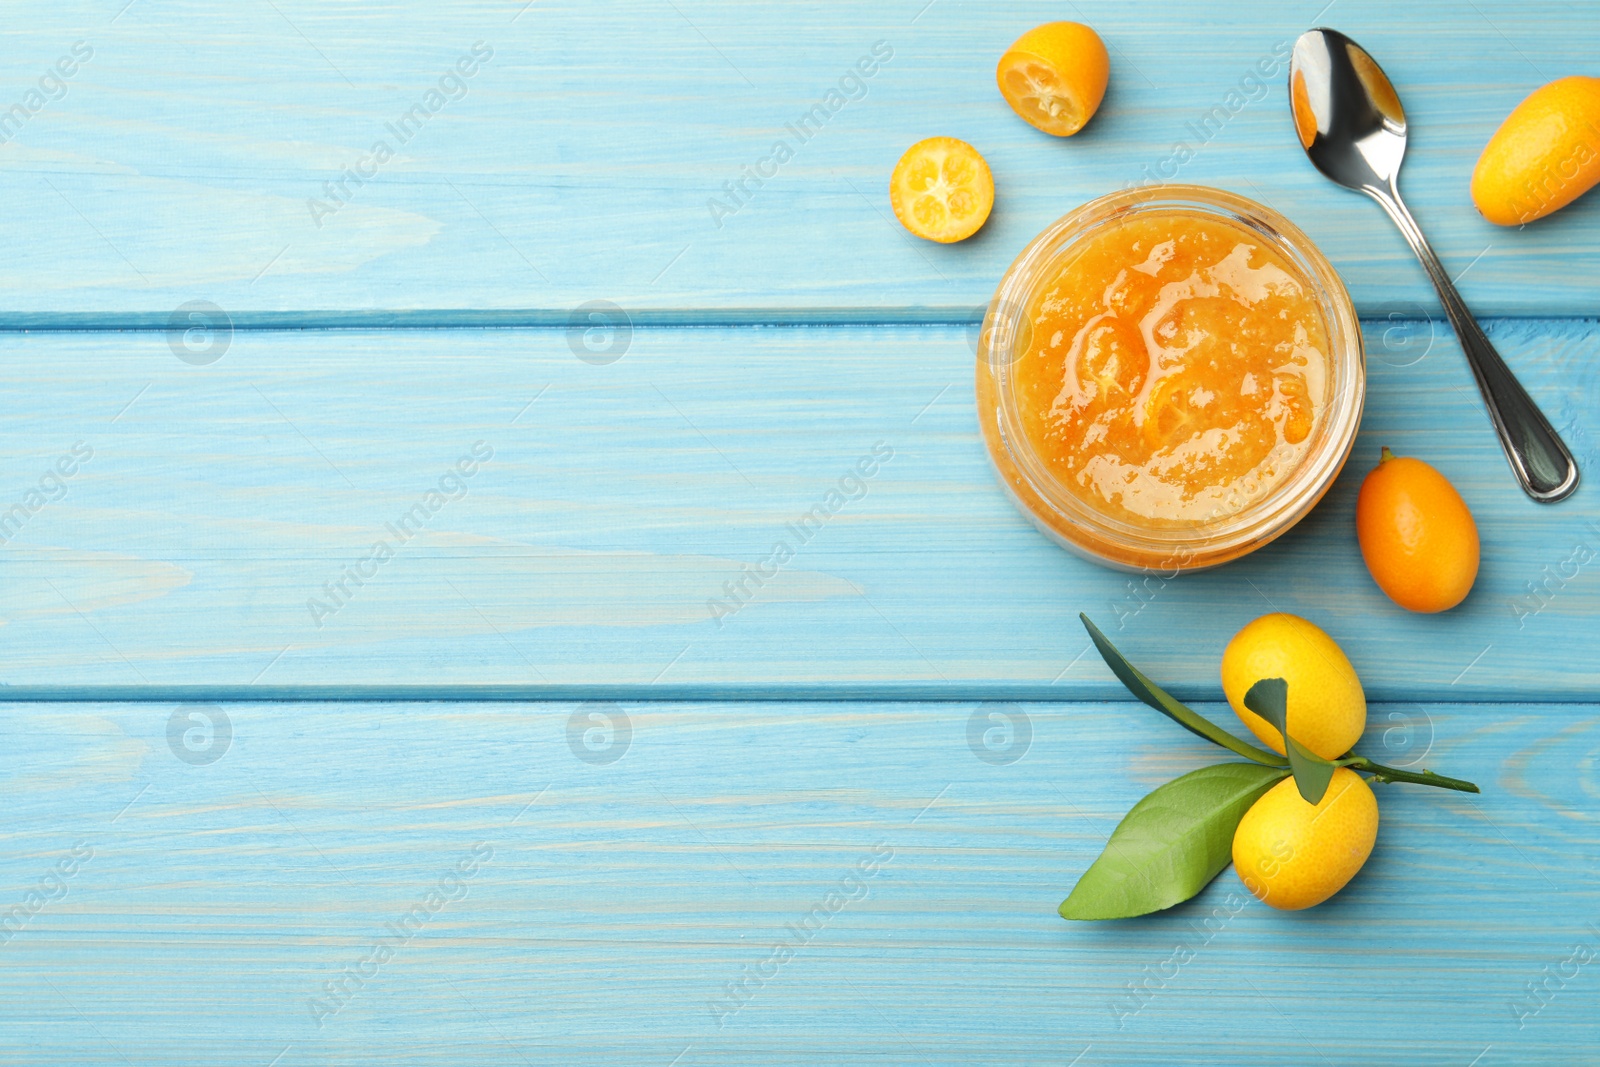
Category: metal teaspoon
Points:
column 1352, row 126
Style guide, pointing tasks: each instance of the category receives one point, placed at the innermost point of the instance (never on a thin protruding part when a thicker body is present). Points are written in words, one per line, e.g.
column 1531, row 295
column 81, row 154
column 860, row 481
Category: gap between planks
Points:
column 368, row 694
column 559, row 318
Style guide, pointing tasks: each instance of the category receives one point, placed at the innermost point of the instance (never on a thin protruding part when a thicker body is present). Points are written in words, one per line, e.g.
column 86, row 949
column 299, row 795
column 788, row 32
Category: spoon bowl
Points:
column 1340, row 99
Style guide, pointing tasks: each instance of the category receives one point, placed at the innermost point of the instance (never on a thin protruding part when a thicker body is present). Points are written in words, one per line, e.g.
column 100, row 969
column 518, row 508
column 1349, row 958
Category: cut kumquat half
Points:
column 1055, row 75
column 942, row 190
column 1174, row 414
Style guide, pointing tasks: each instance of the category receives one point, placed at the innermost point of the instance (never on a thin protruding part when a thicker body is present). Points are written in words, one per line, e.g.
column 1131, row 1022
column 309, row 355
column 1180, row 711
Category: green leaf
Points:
column 1157, row 698
column 1171, row 844
column 1269, row 698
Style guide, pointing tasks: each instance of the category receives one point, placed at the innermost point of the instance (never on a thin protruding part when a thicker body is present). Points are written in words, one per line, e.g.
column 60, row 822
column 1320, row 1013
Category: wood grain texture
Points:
column 580, row 161
column 222, row 500
column 181, row 882
column 619, row 899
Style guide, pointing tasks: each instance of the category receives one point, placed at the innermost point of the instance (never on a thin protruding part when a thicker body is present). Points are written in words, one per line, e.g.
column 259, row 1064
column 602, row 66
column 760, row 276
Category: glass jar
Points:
column 1123, row 540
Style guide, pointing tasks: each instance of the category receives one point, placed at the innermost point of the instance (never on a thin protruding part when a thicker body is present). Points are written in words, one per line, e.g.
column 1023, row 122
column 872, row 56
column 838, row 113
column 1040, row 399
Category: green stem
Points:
column 1394, row 774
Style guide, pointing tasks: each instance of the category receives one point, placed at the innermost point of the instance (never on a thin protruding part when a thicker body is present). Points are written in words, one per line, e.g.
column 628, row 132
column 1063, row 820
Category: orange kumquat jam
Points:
column 1178, row 366
column 1169, row 378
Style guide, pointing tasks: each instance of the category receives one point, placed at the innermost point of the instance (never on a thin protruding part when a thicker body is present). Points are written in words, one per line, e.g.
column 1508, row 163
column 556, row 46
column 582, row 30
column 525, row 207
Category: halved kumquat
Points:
column 1055, row 75
column 942, row 190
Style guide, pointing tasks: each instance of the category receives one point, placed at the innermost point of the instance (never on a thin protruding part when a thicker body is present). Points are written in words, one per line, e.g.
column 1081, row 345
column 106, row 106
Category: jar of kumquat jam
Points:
column 1169, row 378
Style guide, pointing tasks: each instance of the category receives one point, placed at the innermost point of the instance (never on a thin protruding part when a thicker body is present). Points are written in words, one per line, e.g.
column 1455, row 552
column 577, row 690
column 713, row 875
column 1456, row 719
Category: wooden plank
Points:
column 614, row 900
column 197, row 546
column 580, row 160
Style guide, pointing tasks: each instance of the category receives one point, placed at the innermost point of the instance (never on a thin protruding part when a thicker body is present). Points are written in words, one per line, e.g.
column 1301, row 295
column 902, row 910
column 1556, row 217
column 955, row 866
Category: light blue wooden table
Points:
column 512, row 794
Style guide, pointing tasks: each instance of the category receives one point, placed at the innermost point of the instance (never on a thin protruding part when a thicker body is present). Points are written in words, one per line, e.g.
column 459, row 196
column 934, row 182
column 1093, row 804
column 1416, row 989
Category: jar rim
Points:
column 1072, row 520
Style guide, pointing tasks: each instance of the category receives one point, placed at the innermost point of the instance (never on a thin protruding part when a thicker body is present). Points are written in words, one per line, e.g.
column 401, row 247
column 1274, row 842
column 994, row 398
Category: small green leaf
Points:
column 1171, row 844
column 1269, row 698
column 1157, row 698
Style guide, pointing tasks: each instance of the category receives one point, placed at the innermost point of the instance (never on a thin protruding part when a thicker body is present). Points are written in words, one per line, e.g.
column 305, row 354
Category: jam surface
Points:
column 1176, row 368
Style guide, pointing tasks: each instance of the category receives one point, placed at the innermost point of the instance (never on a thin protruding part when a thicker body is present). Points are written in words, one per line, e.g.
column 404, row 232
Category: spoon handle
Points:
column 1538, row 457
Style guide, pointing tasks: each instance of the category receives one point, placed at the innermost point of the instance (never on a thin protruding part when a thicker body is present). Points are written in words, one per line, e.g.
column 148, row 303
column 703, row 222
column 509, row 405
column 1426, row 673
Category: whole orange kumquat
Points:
column 1417, row 536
